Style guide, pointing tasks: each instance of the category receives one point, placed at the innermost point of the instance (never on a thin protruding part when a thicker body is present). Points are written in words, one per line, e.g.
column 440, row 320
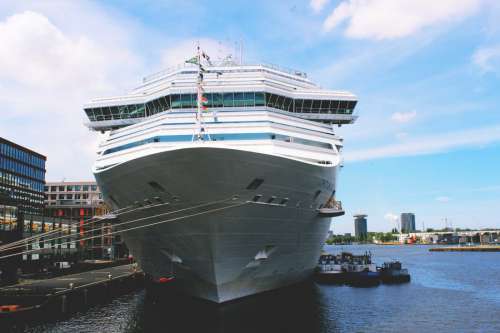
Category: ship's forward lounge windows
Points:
column 255, row 184
column 271, row 199
column 284, row 201
column 217, row 100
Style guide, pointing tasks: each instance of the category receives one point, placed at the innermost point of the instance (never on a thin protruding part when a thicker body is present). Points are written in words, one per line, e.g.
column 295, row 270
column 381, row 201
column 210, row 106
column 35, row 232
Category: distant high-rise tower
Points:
column 407, row 222
column 360, row 226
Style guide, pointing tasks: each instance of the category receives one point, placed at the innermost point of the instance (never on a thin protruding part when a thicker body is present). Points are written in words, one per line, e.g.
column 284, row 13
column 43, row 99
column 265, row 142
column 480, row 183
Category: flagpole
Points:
column 198, row 97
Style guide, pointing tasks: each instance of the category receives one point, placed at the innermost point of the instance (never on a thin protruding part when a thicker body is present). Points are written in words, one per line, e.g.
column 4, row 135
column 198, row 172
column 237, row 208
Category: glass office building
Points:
column 22, row 176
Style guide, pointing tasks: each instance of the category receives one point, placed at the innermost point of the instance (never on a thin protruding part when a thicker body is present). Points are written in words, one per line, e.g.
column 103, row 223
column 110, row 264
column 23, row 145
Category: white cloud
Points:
column 47, row 74
column 391, row 218
column 429, row 144
column 387, row 19
column 443, row 199
column 487, row 58
column 401, row 135
column 318, row 5
column 403, row 117
column 35, row 52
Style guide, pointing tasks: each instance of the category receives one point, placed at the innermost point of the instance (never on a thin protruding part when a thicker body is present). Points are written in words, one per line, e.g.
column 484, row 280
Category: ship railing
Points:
column 224, row 63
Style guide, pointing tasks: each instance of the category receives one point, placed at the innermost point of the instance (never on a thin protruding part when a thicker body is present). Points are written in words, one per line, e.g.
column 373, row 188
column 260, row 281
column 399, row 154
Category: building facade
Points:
column 10, row 231
column 360, row 226
column 60, row 245
column 407, row 222
column 81, row 202
column 22, row 176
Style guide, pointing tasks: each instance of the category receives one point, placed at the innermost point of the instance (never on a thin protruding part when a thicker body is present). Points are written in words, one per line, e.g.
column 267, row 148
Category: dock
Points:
column 482, row 248
column 68, row 293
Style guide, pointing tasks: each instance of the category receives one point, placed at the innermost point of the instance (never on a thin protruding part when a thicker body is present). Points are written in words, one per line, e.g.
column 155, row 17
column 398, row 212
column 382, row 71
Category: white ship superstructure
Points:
column 247, row 186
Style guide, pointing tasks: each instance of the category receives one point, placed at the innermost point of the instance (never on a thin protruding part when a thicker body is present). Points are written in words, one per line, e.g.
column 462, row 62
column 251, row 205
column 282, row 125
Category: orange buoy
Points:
column 9, row 308
column 165, row 279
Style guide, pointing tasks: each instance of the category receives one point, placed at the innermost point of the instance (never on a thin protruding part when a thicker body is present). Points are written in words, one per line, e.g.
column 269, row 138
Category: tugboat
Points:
column 329, row 270
column 346, row 268
column 393, row 273
column 362, row 272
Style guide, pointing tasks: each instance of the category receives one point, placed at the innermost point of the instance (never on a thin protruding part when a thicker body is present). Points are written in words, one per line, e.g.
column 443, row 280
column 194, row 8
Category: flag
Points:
column 207, row 58
column 193, row 60
column 204, row 99
column 204, row 108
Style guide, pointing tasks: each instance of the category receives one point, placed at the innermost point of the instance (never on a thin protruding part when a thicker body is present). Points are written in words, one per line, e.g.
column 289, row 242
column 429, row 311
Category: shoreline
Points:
column 484, row 248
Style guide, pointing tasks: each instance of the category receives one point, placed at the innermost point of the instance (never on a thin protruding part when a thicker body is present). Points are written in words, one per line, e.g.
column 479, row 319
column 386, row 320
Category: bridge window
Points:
column 228, row 100
column 239, row 99
column 232, row 99
column 259, row 99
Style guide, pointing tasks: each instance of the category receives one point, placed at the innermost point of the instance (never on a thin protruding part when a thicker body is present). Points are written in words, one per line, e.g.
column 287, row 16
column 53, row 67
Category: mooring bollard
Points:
column 63, row 304
column 85, row 296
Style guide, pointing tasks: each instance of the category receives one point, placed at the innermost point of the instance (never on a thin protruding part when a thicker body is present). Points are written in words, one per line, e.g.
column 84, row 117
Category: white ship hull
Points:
column 233, row 252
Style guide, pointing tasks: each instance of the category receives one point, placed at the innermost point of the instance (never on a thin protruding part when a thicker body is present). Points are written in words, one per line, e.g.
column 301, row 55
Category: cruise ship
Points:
column 225, row 173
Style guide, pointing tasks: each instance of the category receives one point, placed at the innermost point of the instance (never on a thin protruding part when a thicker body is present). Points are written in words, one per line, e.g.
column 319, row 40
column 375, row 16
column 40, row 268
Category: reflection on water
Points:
column 449, row 292
column 293, row 309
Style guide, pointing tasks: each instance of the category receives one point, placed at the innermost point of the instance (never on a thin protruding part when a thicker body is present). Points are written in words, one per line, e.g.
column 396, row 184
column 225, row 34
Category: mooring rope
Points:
column 113, row 225
column 93, row 220
column 132, row 228
column 86, row 222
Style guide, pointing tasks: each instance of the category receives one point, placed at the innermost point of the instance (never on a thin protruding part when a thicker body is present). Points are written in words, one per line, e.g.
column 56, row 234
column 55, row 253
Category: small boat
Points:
column 329, row 270
column 364, row 278
column 346, row 268
column 392, row 273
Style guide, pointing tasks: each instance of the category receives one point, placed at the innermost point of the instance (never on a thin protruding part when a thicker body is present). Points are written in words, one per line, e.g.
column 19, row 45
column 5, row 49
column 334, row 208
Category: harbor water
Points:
column 449, row 292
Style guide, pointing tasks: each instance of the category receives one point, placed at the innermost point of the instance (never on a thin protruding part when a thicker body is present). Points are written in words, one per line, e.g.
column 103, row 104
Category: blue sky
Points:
column 427, row 75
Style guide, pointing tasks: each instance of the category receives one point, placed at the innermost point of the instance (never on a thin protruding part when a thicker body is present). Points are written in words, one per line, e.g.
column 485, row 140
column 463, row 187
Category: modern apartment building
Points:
column 360, row 226
column 407, row 222
column 22, row 176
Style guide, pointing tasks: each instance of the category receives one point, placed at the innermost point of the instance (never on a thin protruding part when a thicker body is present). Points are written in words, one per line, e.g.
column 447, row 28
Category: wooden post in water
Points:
column 64, row 305
column 85, row 296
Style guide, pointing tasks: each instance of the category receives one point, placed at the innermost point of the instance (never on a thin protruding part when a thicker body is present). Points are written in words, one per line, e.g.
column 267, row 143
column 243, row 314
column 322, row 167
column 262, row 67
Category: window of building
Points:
column 93, row 188
column 85, row 188
column 61, row 188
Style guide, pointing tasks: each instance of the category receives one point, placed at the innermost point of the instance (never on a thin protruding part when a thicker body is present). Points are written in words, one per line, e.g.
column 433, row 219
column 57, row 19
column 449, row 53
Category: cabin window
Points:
column 316, row 195
column 156, row 186
column 255, row 184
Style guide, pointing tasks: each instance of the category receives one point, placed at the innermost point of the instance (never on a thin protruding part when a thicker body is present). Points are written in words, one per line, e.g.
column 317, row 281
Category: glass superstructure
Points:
column 227, row 87
column 22, row 176
column 221, row 100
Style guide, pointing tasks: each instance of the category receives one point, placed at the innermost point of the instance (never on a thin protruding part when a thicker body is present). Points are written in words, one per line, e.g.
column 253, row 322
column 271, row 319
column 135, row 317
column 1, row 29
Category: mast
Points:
column 199, row 94
column 200, row 99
